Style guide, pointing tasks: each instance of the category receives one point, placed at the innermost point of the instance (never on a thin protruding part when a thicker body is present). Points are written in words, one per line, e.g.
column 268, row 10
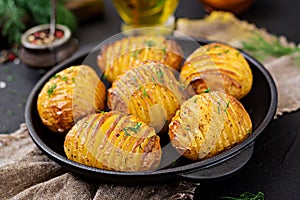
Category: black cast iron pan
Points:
column 262, row 101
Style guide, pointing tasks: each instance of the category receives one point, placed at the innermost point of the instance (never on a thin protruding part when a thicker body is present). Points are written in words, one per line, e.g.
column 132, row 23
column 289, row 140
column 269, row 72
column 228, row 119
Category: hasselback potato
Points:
column 116, row 58
column 150, row 92
column 70, row 95
column 113, row 141
column 208, row 124
column 218, row 67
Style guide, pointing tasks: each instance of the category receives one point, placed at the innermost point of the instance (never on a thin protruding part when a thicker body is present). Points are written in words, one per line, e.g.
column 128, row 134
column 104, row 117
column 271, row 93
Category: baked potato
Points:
column 150, row 92
column 113, row 141
column 116, row 58
column 70, row 95
column 218, row 67
column 208, row 124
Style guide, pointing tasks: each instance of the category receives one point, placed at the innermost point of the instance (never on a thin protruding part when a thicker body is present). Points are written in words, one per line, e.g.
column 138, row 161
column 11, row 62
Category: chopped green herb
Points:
column 195, row 100
column 136, row 53
column 227, row 51
column 217, row 46
column 248, row 196
column 55, row 76
column 134, row 129
column 164, row 50
column 206, row 90
column 149, row 43
column 51, row 89
column 160, row 75
column 73, row 79
column 10, row 78
column 65, row 78
column 227, row 105
column 145, row 94
column 219, row 107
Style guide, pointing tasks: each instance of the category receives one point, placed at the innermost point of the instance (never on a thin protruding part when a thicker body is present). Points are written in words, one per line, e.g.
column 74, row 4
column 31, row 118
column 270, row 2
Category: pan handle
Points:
column 220, row 170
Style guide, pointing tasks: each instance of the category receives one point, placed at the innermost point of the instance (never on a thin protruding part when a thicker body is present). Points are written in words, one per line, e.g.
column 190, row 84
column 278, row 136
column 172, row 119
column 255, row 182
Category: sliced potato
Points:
column 208, row 124
column 131, row 52
column 218, row 67
column 113, row 141
column 70, row 95
column 150, row 92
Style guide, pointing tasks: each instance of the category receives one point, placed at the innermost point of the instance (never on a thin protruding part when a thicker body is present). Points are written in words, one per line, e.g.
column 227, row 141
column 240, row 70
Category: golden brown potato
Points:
column 70, row 95
column 130, row 52
column 113, row 141
column 208, row 124
column 218, row 67
column 150, row 92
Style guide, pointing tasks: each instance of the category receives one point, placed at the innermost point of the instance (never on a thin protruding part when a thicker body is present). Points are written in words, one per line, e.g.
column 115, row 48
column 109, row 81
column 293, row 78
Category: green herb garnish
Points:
column 227, row 105
column 160, row 75
column 248, row 196
column 164, row 50
column 260, row 48
column 73, row 79
column 51, row 89
column 65, row 78
column 149, row 43
column 145, row 94
column 10, row 78
column 206, row 90
column 55, row 76
column 134, row 129
column 227, row 51
column 136, row 53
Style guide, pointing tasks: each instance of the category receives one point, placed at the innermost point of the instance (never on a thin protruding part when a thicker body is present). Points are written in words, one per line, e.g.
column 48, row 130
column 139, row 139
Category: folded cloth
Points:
column 26, row 173
column 225, row 27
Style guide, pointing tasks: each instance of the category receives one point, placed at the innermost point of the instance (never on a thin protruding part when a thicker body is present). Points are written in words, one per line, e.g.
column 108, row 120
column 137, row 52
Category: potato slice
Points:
column 70, row 95
column 208, row 124
column 113, row 141
column 150, row 92
column 218, row 67
column 131, row 52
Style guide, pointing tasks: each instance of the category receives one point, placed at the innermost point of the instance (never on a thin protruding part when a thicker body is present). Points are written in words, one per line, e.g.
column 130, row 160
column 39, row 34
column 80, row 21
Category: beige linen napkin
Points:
column 26, row 173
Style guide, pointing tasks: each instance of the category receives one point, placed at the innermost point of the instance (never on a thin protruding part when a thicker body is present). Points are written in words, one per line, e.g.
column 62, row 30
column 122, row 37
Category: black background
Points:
column 274, row 166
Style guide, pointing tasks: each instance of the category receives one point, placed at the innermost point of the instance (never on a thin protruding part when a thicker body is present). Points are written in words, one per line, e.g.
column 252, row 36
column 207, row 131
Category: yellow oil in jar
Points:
column 145, row 13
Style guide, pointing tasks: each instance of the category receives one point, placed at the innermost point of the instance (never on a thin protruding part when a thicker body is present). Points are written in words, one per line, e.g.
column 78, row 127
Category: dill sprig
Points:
column 260, row 48
column 248, row 196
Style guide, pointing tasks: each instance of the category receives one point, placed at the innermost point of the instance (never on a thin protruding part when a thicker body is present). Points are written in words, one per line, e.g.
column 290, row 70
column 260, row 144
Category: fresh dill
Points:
column 248, row 196
column 261, row 48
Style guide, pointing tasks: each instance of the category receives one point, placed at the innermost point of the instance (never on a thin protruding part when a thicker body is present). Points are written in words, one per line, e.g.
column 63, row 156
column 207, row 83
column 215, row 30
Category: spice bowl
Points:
column 40, row 50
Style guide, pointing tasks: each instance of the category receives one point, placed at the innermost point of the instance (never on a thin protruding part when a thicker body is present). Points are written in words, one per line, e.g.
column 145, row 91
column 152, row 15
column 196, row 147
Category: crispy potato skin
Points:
column 150, row 92
column 208, row 124
column 113, row 141
column 70, row 95
column 131, row 52
column 219, row 67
